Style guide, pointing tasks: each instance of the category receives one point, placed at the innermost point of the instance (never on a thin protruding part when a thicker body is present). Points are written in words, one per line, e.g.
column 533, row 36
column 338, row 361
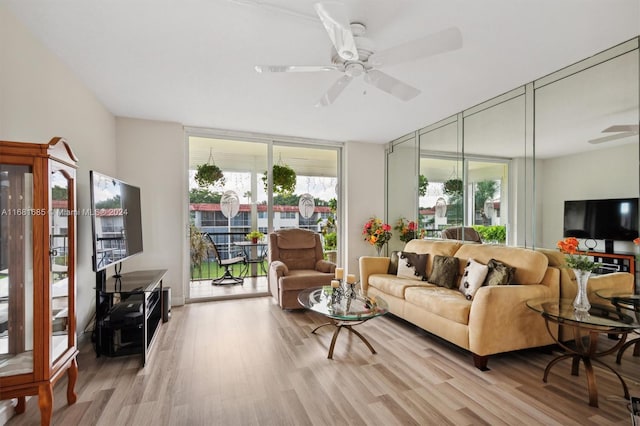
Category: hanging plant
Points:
column 284, row 179
column 453, row 187
column 209, row 174
column 422, row 185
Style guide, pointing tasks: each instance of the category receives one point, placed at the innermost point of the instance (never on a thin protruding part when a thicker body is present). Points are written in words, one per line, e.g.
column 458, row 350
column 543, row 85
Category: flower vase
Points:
column 581, row 302
column 378, row 251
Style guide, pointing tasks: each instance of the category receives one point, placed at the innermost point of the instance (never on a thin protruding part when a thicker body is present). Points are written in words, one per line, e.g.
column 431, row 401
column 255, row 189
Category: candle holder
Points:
column 349, row 290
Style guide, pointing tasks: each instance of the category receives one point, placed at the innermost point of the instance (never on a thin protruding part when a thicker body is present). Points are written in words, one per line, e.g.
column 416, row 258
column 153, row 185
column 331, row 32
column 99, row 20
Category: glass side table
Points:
column 627, row 303
column 586, row 329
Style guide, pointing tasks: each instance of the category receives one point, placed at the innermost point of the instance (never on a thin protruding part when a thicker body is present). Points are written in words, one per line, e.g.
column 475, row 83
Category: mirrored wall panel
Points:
column 507, row 167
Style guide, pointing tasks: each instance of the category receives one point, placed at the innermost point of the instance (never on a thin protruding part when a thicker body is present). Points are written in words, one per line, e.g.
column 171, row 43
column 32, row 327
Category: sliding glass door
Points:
column 264, row 185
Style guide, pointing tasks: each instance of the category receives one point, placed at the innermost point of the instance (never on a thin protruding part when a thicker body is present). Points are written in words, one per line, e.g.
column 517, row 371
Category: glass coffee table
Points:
column 343, row 312
column 628, row 303
column 587, row 327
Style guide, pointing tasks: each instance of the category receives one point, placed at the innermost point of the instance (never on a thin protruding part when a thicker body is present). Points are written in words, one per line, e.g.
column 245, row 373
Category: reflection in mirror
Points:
column 586, row 127
column 16, row 270
column 493, row 135
column 59, row 262
column 402, row 186
column 442, row 204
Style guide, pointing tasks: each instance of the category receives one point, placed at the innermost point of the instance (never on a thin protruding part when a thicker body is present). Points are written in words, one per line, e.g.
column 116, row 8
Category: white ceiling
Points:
column 191, row 61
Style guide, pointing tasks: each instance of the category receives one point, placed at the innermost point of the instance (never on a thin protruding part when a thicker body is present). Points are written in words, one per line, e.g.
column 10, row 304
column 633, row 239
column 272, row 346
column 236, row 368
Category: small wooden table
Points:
column 586, row 328
column 343, row 312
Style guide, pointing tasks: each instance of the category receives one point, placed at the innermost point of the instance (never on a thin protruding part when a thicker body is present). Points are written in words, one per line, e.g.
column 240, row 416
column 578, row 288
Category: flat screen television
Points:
column 116, row 220
column 610, row 219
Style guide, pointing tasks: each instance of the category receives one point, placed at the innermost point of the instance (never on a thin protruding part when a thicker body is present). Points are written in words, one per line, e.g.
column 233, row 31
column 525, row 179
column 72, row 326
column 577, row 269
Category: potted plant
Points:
column 254, row 236
column 453, row 187
column 209, row 174
column 199, row 247
column 284, row 179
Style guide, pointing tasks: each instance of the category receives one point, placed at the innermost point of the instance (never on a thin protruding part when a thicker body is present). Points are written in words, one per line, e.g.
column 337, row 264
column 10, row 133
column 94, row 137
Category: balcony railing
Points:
column 209, row 269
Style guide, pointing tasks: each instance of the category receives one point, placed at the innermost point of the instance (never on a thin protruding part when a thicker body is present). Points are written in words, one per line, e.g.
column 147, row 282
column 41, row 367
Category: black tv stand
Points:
column 128, row 312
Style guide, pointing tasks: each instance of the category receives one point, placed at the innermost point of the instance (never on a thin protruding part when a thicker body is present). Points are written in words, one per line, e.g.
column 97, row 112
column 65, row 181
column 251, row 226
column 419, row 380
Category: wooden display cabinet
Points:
column 38, row 341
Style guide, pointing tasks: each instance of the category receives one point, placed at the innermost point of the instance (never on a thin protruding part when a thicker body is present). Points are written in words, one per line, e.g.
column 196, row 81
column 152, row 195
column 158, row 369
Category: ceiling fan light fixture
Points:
column 354, row 69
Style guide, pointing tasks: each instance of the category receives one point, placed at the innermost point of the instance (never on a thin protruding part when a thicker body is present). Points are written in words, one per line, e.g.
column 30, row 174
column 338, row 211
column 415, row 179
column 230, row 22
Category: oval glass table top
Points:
column 599, row 316
column 358, row 308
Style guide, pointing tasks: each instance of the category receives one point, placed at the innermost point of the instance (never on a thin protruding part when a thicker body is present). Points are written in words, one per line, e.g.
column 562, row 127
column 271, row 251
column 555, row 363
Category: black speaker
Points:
column 166, row 303
column 608, row 246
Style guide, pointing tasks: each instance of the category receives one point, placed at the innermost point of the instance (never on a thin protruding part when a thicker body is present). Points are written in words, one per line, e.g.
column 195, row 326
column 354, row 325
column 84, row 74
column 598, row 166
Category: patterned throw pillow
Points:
column 393, row 263
column 499, row 273
column 473, row 278
column 412, row 265
column 445, row 271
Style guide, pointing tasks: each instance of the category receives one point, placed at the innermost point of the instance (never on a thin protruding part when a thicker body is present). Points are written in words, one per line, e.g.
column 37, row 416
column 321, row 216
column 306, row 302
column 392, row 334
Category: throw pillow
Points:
column 473, row 278
column 412, row 265
column 445, row 271
column 499, row 273
column 393, row 263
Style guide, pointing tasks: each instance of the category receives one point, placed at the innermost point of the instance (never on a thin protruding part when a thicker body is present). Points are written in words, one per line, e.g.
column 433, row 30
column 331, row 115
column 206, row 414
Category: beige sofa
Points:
column 496, row 320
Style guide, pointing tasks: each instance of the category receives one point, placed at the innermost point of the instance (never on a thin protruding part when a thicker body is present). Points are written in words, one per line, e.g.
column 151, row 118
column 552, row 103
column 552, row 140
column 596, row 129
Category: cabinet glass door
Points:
column 59, row 250
column 16, row 269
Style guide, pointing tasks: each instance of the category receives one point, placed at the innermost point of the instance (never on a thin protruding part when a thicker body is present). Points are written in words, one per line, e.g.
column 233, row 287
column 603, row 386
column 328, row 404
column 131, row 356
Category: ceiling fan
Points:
column 355, row 55
column 620, row 130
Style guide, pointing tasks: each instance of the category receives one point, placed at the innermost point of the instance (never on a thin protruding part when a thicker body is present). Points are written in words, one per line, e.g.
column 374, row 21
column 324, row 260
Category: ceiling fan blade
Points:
column 333, row 15
column 392, row 86
column 334, row 91
column 612, row 137
column 621, row 128
column 294, row 68
column 433, row 44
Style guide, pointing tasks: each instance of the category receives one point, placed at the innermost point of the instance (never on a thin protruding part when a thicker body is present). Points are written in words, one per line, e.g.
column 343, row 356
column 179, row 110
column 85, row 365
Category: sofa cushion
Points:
column 530, row 265
column 433, row 247
column 473, row 278
column 391, row 284
column 499, row 273
column 445, row 271
column 444, row 302
column 300, row 258
column 295, row 239
column 299, row 279
column 412, row 266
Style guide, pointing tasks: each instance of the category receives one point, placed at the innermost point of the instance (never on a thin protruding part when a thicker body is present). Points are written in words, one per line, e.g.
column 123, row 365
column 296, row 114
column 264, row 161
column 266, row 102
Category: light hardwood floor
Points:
column 246, row 362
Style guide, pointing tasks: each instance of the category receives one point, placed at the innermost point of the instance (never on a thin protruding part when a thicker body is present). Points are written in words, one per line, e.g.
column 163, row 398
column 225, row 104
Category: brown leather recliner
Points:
column 464, row 233
column 296, row 262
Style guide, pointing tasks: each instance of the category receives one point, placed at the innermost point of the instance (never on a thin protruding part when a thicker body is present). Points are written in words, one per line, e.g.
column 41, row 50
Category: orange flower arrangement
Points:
column 576, row 259
column 408, row 230
column 376, row 233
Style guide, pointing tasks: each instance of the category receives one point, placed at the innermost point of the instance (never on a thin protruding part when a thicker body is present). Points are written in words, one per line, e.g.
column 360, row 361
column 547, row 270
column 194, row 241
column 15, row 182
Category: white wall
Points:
column 41, row 98
column 364, row 179
column 151, row 155
column 611, row 172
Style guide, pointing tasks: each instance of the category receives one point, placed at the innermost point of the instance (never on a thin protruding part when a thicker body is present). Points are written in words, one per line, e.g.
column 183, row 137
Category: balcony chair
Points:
column 227, row 277
column 296, row 262
column 464, row 233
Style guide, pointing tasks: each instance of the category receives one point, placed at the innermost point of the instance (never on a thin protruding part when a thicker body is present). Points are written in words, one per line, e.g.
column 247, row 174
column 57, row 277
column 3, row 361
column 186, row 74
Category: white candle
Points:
column 335, row 283
column 351, row 278
column 339, row 273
